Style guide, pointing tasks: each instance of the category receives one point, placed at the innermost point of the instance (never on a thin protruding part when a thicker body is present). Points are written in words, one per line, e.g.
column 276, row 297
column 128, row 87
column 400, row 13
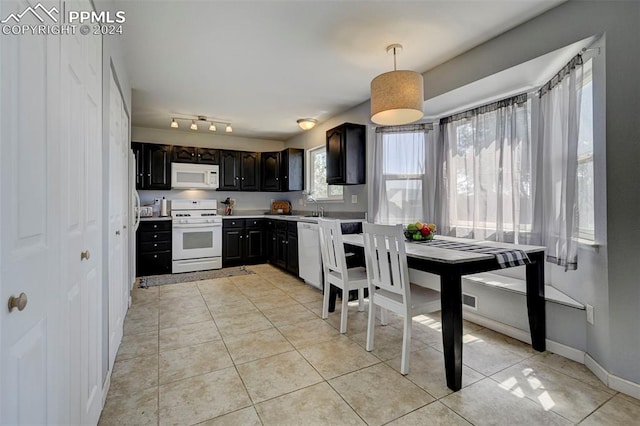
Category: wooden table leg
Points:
column 536, row 302
column 451, row 302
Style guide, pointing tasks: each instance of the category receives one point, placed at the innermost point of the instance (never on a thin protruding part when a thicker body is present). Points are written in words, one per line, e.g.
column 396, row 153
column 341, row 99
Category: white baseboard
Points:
column 596, row 369
column 612, row 381
column 105, row 388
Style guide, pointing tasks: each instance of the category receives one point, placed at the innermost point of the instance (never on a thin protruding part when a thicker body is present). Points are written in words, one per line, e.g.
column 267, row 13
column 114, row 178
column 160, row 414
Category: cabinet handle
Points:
column 242, row 178
column 240, row 236
column 117, row 232
column 149, row 174
column 285, row 176
column 155, row 226
column 277, row 179
column 155, row 245
column 192, row 154
column 155, row 256
column 155, row 235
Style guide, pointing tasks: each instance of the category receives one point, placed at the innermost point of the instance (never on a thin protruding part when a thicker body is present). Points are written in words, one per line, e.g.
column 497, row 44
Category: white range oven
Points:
column 197, row 235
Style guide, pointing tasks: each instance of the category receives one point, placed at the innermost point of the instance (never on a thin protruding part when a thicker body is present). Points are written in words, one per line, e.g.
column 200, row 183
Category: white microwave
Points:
column 194, row 176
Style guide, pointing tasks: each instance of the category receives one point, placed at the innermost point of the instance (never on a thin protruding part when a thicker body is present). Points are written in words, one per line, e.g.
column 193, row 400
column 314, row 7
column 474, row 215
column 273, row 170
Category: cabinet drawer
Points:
column 155, row 246
column 233, row 223
column 154, row 263
column 147, row 237
column 254, row 223
column 156, row 225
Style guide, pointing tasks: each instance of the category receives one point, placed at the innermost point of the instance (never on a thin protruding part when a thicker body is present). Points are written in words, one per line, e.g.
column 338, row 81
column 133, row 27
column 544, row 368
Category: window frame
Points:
column 309, row 178
column 588, row 235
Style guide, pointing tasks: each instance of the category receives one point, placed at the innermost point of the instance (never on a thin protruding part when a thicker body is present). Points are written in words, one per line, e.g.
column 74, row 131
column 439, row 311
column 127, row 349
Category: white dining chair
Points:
column 336, row 273
column 389, row 286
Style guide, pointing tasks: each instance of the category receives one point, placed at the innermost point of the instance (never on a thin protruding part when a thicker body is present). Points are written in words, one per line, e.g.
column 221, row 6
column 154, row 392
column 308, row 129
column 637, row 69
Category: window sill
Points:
column 329, row 200
column 588, row 244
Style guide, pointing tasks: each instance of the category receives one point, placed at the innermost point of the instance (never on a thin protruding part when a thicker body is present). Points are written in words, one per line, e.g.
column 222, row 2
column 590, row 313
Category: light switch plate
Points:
column 354, row 199
column 590, row 318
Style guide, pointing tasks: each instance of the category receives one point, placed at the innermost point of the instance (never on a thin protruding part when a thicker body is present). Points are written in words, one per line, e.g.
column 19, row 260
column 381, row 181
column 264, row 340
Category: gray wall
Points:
column 611, row 282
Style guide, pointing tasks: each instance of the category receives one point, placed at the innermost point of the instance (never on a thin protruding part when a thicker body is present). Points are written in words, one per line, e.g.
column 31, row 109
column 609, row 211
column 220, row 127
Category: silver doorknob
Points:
column 17, row 302
column 85, row 255
column 124, row 226
column 117, row 232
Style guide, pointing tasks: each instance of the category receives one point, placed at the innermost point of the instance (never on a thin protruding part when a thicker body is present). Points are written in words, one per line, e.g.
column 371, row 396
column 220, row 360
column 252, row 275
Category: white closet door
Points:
column 32, row 385
column 117, row 177
column 81, row 198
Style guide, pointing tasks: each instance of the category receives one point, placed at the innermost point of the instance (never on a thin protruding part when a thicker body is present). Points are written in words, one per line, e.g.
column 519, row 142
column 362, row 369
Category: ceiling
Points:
column 261, row 65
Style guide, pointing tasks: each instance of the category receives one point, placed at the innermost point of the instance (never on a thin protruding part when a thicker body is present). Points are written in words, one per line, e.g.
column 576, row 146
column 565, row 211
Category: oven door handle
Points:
column 197, row 225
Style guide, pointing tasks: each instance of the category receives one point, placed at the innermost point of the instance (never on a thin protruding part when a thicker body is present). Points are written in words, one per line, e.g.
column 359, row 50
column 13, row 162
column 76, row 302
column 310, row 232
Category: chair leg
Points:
column 345, row 310
column 371, row 323
column 384, row 319
column 360, row 299
column 406, row 345
column 325, row 300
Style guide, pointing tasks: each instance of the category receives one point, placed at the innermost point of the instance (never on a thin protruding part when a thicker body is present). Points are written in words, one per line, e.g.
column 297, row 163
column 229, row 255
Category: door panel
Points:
column 33, row 388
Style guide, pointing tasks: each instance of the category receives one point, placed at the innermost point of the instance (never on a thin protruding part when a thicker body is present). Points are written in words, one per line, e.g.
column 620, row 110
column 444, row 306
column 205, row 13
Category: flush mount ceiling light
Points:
column 307, row 123
column 195, row 120
column 397, row 97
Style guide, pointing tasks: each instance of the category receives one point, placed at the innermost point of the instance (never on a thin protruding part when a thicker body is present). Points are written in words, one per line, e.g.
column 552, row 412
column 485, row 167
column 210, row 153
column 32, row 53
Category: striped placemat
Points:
column 506, row 257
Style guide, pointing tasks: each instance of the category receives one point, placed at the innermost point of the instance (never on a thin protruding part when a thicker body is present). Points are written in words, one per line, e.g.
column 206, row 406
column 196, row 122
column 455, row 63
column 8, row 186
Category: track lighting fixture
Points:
column 194, row 123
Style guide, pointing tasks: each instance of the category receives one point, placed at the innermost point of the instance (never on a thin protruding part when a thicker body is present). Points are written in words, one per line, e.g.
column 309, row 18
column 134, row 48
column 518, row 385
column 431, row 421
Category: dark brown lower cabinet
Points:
column 153, row 240
column 243, row 241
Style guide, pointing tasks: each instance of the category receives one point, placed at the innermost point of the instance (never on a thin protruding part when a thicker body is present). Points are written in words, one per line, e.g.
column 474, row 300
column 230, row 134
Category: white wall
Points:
column 202, row 138
column 607, row 279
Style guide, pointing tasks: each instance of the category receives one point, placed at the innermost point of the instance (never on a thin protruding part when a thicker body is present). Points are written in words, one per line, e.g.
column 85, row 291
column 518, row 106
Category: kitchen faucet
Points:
column 312, row 198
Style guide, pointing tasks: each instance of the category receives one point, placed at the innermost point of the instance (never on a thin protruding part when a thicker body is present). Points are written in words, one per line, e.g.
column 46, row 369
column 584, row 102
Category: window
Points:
column 488, row 175
column 317, row 182
column 399, row 189
column 586, row 221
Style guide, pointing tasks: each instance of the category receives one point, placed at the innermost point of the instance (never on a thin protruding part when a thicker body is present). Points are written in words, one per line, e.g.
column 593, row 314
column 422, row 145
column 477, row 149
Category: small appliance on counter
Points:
column 164, row 209
column 145, row 211
column 281, row 207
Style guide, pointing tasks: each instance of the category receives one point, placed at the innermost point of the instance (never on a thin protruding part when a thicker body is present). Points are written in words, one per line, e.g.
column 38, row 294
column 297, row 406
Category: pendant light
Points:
column 212, row 127
column 193, row 126
column 397, row 97
column 228, row 129
column 174, row 123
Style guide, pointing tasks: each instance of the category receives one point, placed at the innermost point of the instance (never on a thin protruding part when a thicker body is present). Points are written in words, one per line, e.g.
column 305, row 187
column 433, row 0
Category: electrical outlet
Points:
column 590, row 318
column 354, row 199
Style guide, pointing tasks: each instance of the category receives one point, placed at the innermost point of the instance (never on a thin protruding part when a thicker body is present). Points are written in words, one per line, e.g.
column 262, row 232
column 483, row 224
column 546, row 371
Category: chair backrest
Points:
column 386, row 258
column 332, row 248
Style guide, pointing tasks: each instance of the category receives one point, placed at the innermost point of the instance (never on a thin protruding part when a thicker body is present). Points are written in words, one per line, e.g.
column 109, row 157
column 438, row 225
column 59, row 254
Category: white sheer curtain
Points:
column 484, row 186
column 556, row 197
column 400, row 180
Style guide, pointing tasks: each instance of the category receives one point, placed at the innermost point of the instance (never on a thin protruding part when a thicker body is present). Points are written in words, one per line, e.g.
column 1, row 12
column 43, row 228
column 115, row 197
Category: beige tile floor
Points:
column 252, row 350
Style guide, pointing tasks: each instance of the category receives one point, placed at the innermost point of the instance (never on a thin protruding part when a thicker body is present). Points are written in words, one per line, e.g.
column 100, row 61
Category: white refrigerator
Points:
column 134, row 218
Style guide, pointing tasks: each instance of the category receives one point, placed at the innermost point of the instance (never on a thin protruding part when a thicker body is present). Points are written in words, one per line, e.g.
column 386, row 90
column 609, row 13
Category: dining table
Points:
column 451, row 265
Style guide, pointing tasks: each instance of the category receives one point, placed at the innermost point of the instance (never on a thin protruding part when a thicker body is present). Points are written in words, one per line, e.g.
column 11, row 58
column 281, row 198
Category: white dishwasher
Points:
column 309, row 257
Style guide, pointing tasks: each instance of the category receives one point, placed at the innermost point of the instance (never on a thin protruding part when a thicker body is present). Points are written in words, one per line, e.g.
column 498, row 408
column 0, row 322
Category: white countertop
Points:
column 154, row 218
column 291, row 218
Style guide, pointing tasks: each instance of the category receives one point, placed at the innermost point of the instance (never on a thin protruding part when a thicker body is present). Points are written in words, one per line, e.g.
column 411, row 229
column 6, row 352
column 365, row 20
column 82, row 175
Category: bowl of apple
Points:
column 420, row 231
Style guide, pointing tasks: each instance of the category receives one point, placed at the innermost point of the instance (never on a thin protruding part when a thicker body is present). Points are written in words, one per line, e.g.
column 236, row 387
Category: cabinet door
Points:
column 154, row 263
column 232, row 240
column 208, row 156
column 271, row 171
column 335, row 155
column 184, row 154
column 292, row 169
column 138, row 153
column 292, row 253
column 281, row 249
column 229, row 170
column 271, row 242
column 250, row 174
column 254, row 245
column 158, row 166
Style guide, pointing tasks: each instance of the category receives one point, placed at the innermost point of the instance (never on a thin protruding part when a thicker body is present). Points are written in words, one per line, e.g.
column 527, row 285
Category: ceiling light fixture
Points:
column 397, row 97
column 195, row 120
column 307, row 123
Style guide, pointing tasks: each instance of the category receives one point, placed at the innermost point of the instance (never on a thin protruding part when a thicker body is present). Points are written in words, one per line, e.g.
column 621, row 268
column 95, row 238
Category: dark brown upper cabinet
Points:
column 239, row 171
column 153, row 165
column 190, row 154
column 283, row 171
column 346, row 152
